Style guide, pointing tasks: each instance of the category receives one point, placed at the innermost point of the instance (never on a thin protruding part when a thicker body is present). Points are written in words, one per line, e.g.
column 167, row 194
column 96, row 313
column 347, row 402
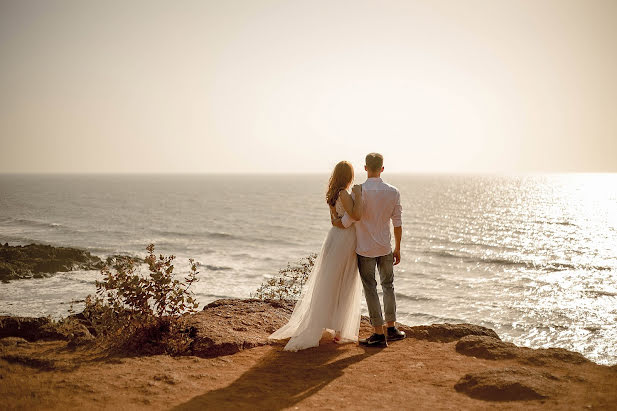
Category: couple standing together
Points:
column 358, row 241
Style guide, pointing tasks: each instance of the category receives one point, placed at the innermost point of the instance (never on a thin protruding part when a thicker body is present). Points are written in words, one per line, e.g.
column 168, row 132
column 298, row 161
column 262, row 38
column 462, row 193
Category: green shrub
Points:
column 287, row 285
column 142, row 313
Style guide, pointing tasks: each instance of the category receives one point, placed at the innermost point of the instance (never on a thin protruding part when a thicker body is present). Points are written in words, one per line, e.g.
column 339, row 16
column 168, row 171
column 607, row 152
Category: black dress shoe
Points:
column 375, row 340
column 394, row 334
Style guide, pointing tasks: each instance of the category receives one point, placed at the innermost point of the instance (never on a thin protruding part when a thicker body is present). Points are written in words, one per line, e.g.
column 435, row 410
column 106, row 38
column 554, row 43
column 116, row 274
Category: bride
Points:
column 330, row 300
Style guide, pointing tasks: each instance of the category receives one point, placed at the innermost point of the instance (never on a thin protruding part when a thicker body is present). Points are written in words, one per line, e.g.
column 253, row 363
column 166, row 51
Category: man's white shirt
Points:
column 381, row 204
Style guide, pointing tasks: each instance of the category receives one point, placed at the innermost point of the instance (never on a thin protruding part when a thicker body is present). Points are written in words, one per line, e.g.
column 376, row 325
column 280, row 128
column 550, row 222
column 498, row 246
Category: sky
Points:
column 264, row 86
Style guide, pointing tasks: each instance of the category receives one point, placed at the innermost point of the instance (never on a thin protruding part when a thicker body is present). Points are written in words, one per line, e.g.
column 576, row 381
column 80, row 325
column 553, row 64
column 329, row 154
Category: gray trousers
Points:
column 366, row 266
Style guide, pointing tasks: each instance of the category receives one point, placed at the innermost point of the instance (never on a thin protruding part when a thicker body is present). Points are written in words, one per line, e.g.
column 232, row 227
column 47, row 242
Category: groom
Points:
column 381, row 203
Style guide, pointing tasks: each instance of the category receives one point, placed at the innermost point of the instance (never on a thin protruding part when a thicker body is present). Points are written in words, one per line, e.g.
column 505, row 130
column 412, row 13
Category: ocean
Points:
column 533, row 257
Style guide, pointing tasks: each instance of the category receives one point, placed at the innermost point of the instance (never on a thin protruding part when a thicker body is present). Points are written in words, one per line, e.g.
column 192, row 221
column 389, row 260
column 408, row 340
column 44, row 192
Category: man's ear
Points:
column 382, row 169
column 365, row 168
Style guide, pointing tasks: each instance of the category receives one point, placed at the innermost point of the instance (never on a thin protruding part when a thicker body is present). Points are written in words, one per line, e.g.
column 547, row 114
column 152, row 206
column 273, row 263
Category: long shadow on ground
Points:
column 280, row 380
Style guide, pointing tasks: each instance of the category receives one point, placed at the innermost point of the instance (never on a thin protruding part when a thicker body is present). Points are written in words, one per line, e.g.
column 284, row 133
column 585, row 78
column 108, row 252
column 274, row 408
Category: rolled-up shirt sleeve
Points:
column 346, row 220
column 397, row 220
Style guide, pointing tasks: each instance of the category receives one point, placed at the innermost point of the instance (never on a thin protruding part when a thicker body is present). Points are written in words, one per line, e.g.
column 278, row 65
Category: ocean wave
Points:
column 43, row 228
column 215, row 267
column 243, row 255
column 105, row 231
column 211, row 296
column 19, row 240
column 547, row 266
column 276, row 241
column 73, row 279
column 449, row 254
column 601, row 293
column 498, row 247
column 400, row 296
column 561, row 266
column 252, row 257
column 564, row 223
column 217, row 235
column 506, row 262
column 221, row 235
column 31, row 223
column 432, row 319
column 443, row 253
column 593, row 328
column 188, row 234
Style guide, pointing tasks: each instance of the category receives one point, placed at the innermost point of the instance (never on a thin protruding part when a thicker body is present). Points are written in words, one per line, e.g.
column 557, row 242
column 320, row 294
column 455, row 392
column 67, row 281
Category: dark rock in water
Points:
column 52, row 266
column 447, row 332
column 508, row 384
column 29, row 328
column 38, row 260
column 117, row 260
column 7, row 271
column 493, row 349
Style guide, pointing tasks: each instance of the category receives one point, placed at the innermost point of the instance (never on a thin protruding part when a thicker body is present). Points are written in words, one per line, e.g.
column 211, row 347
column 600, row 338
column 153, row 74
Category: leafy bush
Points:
column 142, row 313
column 287, row 285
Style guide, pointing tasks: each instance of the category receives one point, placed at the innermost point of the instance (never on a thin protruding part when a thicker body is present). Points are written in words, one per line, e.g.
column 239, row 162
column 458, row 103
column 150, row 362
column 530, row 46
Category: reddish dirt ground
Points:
column 409, row 374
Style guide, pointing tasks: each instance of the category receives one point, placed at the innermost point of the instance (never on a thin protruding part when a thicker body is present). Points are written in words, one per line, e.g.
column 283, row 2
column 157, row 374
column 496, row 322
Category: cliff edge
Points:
column 230, row 364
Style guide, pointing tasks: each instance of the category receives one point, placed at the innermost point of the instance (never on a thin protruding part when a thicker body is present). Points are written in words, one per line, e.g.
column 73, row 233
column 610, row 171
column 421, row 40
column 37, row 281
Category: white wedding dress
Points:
column 330, row 299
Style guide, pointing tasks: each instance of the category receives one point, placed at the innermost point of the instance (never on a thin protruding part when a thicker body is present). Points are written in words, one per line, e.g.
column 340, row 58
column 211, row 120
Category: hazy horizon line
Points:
column 310, row 173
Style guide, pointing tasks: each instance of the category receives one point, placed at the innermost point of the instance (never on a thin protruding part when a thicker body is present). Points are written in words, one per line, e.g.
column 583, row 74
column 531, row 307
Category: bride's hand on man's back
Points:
column 357, row 189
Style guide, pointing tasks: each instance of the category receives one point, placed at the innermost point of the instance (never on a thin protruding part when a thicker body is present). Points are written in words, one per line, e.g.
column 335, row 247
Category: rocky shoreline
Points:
column 41, row 260
column 457, row 366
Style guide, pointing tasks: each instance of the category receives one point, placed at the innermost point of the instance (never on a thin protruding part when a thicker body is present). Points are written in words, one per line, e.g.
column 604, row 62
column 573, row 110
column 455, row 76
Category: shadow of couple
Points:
column 281, row 379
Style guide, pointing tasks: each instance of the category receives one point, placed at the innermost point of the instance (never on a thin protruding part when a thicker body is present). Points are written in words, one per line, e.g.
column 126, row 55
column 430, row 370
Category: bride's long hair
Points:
column 341, row 179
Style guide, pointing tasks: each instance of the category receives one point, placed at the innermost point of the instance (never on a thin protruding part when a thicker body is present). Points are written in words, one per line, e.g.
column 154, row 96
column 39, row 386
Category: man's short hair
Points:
column 374, row 161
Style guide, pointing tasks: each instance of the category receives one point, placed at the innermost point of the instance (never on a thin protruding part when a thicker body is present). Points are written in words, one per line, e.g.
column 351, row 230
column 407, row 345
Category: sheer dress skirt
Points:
column 330, row 299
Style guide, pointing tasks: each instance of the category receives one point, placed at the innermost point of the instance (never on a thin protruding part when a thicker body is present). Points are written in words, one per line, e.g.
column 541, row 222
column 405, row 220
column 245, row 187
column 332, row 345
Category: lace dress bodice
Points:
column 338, row 206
